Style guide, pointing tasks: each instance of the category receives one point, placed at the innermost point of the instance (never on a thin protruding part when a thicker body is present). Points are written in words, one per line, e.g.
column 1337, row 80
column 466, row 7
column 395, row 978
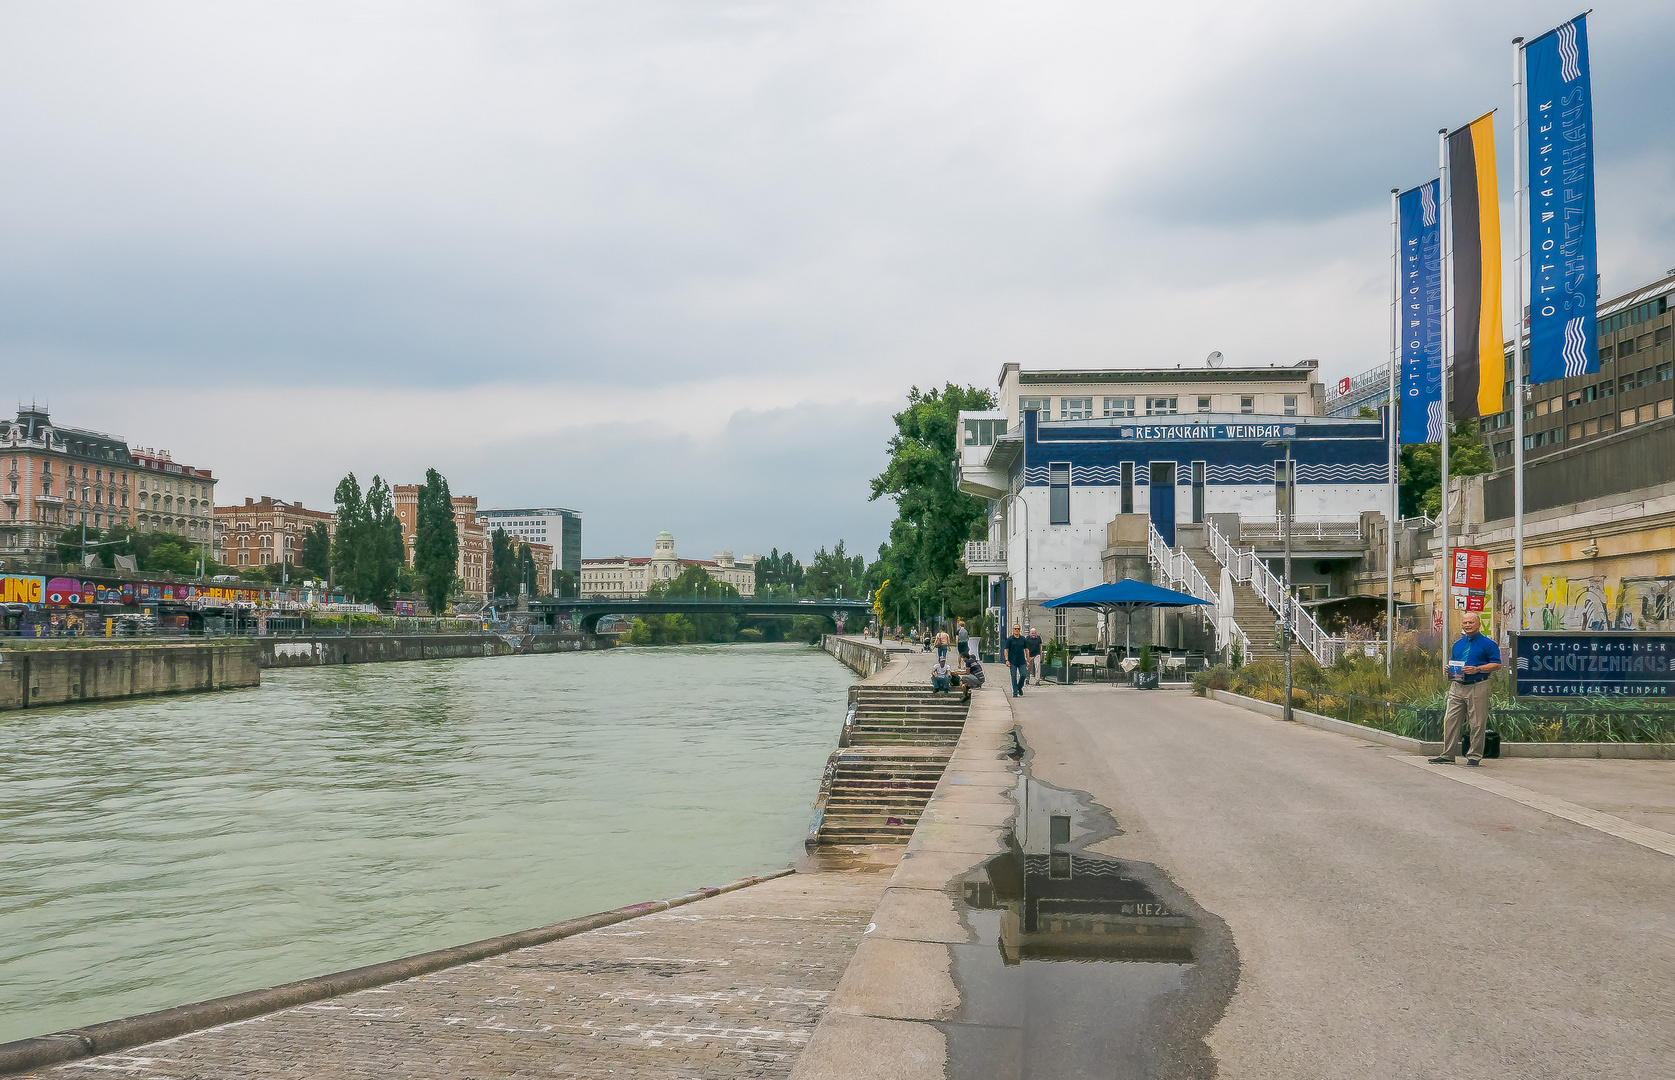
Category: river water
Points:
column 168, row 850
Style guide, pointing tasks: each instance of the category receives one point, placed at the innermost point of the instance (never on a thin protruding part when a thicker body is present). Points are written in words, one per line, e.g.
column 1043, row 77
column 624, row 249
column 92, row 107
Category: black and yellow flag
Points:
column 1474, row 206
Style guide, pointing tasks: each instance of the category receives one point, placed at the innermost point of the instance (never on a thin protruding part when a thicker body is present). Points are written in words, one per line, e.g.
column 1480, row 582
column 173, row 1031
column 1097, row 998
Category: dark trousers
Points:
column 1020, row 672
column 939, row 684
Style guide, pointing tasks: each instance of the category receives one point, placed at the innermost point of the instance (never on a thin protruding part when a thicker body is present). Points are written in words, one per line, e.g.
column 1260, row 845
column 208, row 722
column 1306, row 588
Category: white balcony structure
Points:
column 985, row 557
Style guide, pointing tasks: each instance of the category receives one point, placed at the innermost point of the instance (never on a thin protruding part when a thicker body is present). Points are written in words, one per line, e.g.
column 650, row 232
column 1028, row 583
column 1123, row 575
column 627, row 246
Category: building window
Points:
column 1119, row 406
column 1198, row 492
column 1665, row 373
column 1128, row 487
column 980, row 432
column 1039, row 404
column 1247, row 403
column 1161, row 406
column 1203, row 404
column 1075, row 408
column 1291, row 404
column 1285, row 492
column 1058, row 499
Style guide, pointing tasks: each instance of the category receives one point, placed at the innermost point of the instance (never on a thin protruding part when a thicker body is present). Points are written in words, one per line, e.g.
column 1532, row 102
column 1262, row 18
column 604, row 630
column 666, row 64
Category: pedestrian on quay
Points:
column 1474, row 659
column 941, row 676
column 1017, row 659
column 942, row 644
column 962, row 641
column 1033, row 639
column 970, row 676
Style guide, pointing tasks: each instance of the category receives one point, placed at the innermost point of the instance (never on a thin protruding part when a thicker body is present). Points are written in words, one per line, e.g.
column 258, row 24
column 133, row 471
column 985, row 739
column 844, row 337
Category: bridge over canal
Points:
column 586, row 613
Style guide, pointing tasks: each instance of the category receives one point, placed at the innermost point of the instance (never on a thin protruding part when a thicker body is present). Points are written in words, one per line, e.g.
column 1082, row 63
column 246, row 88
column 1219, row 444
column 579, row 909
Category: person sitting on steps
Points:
column 970, row 676
column 941, row 677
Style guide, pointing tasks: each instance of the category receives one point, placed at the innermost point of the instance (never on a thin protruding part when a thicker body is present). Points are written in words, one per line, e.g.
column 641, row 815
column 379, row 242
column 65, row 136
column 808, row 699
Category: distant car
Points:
column 224, row 577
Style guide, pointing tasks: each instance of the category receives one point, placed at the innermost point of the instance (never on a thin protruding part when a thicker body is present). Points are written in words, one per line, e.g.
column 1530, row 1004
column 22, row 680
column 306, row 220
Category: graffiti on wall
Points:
column 1557, row 602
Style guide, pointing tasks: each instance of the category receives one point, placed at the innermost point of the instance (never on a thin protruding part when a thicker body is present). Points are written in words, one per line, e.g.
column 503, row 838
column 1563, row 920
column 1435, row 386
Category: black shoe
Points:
column 1444, row 760
column 1473, row 763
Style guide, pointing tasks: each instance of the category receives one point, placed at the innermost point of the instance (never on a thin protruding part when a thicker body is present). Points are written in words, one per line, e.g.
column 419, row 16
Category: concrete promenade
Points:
column 1377, row 918
column 729, row 986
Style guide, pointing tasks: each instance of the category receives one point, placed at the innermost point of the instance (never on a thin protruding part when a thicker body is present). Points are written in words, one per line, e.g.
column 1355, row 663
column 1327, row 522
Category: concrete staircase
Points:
column 1250, row 611
column 893, row 750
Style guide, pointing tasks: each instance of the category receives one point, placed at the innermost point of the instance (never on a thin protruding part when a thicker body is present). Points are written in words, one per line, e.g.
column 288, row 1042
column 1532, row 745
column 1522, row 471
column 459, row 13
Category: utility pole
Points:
column 1288, row 604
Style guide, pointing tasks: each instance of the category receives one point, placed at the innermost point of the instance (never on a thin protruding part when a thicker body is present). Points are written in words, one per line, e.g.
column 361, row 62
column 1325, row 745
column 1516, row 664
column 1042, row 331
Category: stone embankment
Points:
column 865, row 658
column 329, row 650
column 37, row 675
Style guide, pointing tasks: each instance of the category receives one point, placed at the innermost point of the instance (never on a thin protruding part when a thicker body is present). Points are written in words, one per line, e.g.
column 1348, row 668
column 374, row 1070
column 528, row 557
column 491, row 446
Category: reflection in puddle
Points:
column 1084, row 965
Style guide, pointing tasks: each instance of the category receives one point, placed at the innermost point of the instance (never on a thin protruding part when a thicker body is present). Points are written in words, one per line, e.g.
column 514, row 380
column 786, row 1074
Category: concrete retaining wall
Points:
column 327, row 650
column 1643, row 751
column 863, row 658
column 33, row 677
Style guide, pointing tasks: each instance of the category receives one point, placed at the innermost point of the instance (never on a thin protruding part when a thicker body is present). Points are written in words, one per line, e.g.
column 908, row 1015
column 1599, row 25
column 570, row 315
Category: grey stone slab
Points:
column 897, row 980
column 867, row 1048
column 911, row 914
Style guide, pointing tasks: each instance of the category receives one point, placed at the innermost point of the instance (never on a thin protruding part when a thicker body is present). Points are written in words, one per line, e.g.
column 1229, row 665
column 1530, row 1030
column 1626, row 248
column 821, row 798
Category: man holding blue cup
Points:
column 1474, row 659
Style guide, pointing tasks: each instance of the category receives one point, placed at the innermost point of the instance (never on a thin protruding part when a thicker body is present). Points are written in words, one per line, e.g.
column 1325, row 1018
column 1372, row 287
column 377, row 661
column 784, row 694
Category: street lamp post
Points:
column 1285, row 585
column 1013, row 496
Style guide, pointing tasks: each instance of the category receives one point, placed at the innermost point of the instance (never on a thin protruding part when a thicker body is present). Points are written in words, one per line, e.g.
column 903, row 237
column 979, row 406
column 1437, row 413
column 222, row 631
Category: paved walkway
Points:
column 1390, row 922
column 731, row 986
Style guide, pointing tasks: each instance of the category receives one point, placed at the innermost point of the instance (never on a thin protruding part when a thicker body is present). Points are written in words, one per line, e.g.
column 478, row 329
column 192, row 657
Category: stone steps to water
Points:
column 895, row 748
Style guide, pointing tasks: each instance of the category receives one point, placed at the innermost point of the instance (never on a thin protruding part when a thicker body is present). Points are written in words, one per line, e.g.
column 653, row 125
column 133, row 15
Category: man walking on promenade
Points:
column 1034, row 641
column 1474, row 658
column 961, row 639
column 1017, row 659
column 942, row 644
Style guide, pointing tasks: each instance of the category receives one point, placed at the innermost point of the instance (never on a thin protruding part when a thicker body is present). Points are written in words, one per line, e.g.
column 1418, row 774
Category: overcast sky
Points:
column 675, row 264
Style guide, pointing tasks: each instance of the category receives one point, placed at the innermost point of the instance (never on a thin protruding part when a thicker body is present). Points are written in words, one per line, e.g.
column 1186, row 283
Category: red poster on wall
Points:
column 1469, row 578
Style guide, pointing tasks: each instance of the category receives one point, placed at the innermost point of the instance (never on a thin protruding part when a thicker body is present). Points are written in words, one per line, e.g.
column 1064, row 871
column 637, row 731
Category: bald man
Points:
column 1474, row 659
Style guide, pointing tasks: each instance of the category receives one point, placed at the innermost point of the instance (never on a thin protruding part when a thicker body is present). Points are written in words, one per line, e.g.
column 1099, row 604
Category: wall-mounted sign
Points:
column 1620, row 663
column 1209, row 432
column 1469, row 578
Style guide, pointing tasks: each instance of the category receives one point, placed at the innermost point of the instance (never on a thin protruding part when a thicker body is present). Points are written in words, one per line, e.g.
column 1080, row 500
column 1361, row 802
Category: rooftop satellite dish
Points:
column 1214, row 359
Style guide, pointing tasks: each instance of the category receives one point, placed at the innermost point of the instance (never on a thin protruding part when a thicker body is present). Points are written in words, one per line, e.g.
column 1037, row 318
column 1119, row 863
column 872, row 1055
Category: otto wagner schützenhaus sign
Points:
column 1616, row 664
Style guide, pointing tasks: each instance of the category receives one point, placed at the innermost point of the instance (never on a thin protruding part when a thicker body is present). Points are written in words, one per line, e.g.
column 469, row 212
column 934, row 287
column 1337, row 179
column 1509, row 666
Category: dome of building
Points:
column 665, row 536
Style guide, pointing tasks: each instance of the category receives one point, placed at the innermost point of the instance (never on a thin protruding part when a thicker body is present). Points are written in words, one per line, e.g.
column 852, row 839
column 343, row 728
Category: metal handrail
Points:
column 1320, row 644
column 1178, row 566
column 1301, row 530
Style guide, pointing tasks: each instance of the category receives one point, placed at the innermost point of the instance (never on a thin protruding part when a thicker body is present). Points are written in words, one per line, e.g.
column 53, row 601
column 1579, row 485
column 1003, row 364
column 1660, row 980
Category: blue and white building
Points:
column 1193, row 491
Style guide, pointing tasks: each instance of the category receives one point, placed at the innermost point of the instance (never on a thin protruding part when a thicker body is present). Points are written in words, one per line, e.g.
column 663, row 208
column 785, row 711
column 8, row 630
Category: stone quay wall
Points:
column 864, row 658
column 331, row 650
column 30, row 678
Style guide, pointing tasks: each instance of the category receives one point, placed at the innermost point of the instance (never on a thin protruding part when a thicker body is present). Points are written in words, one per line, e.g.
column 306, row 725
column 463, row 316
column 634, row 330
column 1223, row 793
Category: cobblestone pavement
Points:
column 727, row 987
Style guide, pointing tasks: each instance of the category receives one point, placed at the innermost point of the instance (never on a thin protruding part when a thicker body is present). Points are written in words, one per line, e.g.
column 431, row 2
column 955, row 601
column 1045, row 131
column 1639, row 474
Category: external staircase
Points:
column 1250, row 611
column 896, row 741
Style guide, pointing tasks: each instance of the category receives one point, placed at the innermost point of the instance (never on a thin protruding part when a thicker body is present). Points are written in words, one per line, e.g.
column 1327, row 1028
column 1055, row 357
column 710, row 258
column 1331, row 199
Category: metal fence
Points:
column 1513, row 721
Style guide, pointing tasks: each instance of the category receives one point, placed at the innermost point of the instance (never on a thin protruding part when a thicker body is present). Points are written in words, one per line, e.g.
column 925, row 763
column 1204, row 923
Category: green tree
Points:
column 564, row 585
column 317, row 550
column 527, row 573
column 382, row 553
column 503, row 565
column 1421, row 468
column 924, row 557
column 169, row 556
column 346, row 544
column 436, row 541
column 779, row 575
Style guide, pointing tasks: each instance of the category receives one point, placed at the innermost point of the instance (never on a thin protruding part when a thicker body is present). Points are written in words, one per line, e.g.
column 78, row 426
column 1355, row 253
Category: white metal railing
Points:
column 984, row 551
column 1300, row 530
column 1184, row 576
column 1248, row 569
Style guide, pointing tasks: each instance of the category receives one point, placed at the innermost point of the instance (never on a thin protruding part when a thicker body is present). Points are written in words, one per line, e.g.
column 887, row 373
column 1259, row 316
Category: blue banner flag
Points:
column 1564, row 288
column 1419, row 264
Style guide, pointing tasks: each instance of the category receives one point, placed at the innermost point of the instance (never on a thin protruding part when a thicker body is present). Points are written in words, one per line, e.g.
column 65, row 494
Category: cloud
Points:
column 359, row 227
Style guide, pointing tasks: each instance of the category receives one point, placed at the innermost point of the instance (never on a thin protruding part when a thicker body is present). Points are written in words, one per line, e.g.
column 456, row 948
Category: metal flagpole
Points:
column 1445, row 225
column 1519, row 122
column 1390, row 526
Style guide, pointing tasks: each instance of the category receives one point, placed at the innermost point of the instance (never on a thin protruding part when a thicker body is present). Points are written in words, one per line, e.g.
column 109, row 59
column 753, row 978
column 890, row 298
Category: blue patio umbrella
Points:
column 1127, row 596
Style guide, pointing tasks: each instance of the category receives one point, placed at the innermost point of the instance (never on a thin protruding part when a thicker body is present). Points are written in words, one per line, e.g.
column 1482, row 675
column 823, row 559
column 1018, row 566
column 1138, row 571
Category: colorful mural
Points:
column 1556, row 602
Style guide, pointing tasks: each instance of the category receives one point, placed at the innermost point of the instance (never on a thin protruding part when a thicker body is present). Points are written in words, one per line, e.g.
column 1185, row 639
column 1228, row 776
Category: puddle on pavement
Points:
column 1083, row 965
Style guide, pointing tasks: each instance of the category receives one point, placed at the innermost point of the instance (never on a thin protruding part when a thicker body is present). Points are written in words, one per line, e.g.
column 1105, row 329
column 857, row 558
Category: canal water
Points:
column 168, row 850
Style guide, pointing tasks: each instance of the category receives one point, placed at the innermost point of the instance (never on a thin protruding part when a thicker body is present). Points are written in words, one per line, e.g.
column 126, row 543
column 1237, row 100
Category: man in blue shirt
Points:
column 1474, row 658
column 1016, row 648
